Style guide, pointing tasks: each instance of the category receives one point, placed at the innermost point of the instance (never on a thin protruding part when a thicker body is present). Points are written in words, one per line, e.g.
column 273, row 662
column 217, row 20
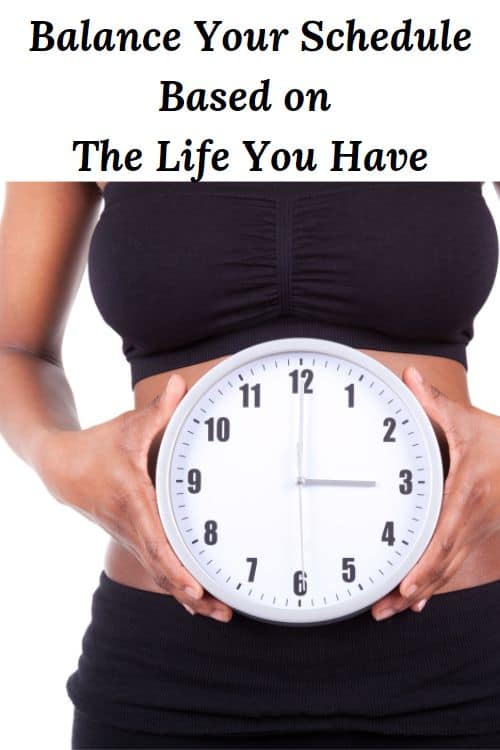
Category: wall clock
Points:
column 299, row 480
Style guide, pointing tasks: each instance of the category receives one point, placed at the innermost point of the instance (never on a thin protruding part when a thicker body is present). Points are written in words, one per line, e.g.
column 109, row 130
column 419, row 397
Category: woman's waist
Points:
column 481, row 567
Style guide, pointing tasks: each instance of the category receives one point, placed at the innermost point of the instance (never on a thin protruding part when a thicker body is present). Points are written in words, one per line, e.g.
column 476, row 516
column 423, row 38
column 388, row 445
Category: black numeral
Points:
column 210, row 532
column 253, row 568
column 194, row 481
column 299, row 582
column 218, row 429
column 350, row 395
column 388, row 533
column 348, row 568
column 390, row 423
column 407, row 485
column 246, row 394
column 307, row 375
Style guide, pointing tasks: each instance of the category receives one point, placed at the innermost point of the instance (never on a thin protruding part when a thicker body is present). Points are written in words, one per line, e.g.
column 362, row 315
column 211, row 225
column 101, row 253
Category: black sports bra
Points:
column 186, row 272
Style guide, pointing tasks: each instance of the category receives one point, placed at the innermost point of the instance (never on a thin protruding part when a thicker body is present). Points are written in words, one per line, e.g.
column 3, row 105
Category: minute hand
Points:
column 337, row 482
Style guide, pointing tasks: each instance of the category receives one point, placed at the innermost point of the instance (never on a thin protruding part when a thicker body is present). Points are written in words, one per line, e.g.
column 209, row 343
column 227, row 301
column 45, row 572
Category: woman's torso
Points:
column 447, row 374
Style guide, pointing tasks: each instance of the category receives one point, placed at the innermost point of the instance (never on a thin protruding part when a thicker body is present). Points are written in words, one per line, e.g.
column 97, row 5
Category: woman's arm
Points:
column 42, row 257
column 101, row 471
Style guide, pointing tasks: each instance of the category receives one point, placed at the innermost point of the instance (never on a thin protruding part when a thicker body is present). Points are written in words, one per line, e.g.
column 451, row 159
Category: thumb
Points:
column 439, row 408
column 154, row 417
column 164, row 404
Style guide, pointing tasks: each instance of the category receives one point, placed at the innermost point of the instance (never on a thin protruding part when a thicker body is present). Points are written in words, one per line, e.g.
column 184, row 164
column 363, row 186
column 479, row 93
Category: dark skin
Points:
column 106, row 472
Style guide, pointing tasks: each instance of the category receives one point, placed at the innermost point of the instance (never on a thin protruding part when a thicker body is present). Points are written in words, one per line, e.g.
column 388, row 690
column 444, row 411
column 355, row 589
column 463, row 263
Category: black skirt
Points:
column 149, row 666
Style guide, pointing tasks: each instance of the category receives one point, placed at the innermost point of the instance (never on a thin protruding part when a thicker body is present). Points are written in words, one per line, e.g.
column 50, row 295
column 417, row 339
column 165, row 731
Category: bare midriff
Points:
column 481, row 566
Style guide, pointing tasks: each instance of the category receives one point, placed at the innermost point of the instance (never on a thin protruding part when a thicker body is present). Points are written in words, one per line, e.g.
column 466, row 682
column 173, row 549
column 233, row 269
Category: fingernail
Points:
column 170, row 383
column 193, row 593
column 191, row 611
column 411, row 590
column 418, row 376
column 421, row 604
column 385, row 614
column 219, row 614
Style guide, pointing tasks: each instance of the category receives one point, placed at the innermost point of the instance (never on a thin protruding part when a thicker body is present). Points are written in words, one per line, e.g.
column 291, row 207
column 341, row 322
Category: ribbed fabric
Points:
column 89, row 734
column 282, row 327
column 187, row 272
column 149, row 666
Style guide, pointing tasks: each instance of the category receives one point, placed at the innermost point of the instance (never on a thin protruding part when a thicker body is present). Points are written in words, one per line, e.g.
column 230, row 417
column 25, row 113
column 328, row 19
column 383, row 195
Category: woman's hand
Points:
column 470, row 511
column 103, row 473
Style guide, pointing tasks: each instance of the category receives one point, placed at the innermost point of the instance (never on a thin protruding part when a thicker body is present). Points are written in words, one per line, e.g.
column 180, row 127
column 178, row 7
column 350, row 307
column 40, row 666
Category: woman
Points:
column 188, row 274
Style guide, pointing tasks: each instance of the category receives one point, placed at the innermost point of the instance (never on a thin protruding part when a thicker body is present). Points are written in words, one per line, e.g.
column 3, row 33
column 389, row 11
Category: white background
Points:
column 447, row 102
column 50, row 556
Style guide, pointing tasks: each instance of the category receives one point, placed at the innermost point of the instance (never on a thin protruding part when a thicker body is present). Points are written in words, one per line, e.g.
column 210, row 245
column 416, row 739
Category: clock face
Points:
column 299, row 480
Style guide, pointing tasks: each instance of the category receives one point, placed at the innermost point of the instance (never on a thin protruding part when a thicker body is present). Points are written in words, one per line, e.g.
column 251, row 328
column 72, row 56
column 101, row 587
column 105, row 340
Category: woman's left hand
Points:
column 470, row 511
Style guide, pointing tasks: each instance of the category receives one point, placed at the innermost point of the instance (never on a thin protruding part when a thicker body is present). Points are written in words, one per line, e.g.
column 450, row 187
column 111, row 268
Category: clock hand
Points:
column 336, row 482
column 300, row 447
column 300, row 443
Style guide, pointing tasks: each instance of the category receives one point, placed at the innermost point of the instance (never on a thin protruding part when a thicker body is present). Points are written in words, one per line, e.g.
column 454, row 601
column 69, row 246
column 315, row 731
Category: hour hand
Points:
column 336, row 482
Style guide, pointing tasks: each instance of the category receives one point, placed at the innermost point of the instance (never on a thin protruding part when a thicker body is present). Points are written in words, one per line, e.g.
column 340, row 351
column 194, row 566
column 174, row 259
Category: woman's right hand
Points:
column 103, row 473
